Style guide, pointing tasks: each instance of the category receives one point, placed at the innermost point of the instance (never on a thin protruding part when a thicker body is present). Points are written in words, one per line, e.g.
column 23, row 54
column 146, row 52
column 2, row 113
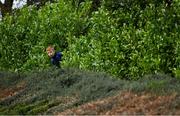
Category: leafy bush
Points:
column 122, row 45
column 25, row 36
column 127, row 43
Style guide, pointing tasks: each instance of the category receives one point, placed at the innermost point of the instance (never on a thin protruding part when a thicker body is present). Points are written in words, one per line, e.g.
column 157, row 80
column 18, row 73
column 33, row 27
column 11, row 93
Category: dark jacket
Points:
column 55, row 60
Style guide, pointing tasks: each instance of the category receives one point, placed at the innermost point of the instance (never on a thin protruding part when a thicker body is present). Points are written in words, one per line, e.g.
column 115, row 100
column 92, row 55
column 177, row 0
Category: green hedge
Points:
column 129, row 46
column 125, row 43
column 25, row 35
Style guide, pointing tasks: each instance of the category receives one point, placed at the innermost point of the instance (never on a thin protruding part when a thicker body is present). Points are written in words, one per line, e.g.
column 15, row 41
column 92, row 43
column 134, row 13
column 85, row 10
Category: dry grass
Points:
column 127, row 103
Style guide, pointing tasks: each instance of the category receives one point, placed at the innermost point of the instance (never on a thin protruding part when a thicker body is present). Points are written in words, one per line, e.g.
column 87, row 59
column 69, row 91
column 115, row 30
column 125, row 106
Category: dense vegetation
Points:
column 135, row 41
column 55, row 90
column 41, row 90
column 127, row 39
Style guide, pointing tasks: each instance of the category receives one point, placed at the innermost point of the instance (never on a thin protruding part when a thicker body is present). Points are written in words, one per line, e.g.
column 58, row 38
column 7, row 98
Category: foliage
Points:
column 130, row 5
column 128, row 44
column 123, row 39
column 25, row 36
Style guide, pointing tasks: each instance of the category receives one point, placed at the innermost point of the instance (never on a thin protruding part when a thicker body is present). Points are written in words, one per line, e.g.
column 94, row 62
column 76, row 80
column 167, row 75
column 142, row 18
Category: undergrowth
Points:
column 54, row 90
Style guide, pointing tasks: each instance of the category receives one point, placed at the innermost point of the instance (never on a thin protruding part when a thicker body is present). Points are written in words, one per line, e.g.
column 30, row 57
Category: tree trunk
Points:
column 6, row 8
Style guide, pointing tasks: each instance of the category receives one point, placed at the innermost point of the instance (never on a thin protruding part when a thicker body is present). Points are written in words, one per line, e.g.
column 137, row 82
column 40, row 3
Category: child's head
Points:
column 50, row 51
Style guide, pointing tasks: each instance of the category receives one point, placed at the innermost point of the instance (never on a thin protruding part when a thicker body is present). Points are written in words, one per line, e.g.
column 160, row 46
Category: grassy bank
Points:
column 56, row 90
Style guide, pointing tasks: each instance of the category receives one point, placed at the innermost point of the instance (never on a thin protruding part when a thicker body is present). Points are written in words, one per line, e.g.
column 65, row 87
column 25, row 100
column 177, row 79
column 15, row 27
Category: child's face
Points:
column 50, row 52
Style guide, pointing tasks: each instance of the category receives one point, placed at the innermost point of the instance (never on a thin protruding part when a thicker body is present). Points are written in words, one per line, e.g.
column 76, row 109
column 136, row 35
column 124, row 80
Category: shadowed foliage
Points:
column 55, row 90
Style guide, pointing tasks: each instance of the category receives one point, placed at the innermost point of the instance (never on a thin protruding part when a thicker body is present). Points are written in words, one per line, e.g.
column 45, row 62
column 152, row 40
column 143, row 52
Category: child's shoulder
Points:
column 59, row 53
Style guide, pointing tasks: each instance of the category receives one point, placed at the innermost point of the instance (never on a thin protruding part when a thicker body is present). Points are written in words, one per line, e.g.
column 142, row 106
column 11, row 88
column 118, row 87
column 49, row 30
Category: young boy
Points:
column 56, row 57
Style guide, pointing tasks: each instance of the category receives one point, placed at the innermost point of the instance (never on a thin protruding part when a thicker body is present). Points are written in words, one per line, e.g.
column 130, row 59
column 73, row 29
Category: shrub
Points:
column 117, row 46
column 125, row 43
column 28, row 33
